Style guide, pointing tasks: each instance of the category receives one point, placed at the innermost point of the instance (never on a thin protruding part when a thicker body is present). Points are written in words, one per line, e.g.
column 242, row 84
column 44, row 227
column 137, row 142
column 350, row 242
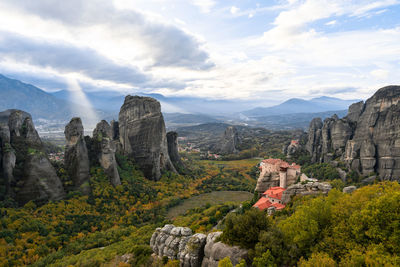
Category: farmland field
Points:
column 213, row 198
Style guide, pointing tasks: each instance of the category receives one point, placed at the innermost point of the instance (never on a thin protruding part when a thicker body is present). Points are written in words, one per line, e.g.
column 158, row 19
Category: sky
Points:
column 265, row 50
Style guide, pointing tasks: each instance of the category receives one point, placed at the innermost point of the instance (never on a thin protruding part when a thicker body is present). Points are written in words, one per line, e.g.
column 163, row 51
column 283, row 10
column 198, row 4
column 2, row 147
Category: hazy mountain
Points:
column 15, row 94
column 112, row 101
column 294, row 120
column 178, row 111
column 178, row 119
column 297, row 105
column 44, row 107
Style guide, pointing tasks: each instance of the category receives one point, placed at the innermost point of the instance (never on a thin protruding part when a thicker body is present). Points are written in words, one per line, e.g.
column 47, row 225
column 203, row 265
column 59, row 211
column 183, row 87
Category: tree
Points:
column 243, row 230
column 225, row 262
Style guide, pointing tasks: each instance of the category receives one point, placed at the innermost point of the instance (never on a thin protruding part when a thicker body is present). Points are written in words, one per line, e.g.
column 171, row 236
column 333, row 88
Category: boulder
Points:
column 76, row 156
column 369, row 180
column 215, row 251
column 193, row 250
column 142, row 135
column 349, row 189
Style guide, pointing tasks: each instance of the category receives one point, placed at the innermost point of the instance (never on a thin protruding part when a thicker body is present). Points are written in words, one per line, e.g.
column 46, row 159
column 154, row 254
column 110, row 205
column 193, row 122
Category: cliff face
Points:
column 229, row 141
column 142, row 135
column 105, row 154
column 367, row 139
column 172, row 140
column 25, row 168
column 76, row 156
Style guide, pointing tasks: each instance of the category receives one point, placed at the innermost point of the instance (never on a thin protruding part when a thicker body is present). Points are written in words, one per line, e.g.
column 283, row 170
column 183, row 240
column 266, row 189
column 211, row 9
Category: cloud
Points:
column 291, row 24
column 234, row 10
column 204, row 5
column 380, row 74
column 67, row 58
column 166, row 44
column 334, row 90
column 331, row 23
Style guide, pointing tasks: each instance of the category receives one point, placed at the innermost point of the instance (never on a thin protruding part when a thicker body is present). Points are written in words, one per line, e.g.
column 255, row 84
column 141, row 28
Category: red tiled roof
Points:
column 279, row 206
column 264, row 203
column 274, row 192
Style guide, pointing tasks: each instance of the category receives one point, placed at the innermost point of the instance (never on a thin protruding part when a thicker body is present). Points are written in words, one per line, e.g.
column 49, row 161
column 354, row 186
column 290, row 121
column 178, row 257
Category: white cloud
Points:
column 165, row 44
column 331, row 23
column 204, row 5
column 294, row 57
column 380, row 74
column 234, row 10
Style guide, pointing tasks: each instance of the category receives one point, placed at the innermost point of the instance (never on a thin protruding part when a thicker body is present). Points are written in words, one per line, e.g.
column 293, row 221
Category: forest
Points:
column 338, row 229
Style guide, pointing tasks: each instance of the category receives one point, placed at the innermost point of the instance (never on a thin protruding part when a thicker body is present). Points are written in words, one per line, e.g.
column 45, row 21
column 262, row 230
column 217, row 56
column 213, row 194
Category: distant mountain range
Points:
column 112, row 101
column 178, row 111
column 45, row 108
column 297, row 105
column 18, row 95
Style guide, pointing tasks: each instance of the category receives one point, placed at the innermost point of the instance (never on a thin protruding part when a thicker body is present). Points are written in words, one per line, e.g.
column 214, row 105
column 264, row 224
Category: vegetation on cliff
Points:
column 94, row 229
column 358, row 229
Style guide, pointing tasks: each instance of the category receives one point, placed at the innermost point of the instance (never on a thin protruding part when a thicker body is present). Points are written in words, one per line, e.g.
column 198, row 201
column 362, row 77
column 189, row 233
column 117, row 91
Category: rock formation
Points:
column 103, row 135
column 367, row 139
column 310, row 188
column 172, row 140
column 229, row 141
column 143, row 136
column 290, row 149
column 76, row 156
column 349, row 189
column 215, row 251
column 24, row 166
column 178, row 243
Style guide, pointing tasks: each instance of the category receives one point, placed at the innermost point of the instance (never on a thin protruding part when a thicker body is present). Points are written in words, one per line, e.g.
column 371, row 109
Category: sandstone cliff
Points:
column 76, row 156
column 105, row 151
column 172, row 140
column 142, row 135
column 24, row 167
column 229, row 141
column 367, row 139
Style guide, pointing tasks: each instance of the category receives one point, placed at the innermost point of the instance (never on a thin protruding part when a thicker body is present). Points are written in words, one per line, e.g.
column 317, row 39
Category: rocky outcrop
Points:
column 142, row 135
column 314, row 142
column 171, row 241
column 172, row 140
column 291, row 149
column 215, row 251
column 76, row 156
column 229, row 141
column 367, row 139
column 349, row 189
column 103, row 136
column 305, row 189
column 24, row 167
column 193, row 253
column 178, row 243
